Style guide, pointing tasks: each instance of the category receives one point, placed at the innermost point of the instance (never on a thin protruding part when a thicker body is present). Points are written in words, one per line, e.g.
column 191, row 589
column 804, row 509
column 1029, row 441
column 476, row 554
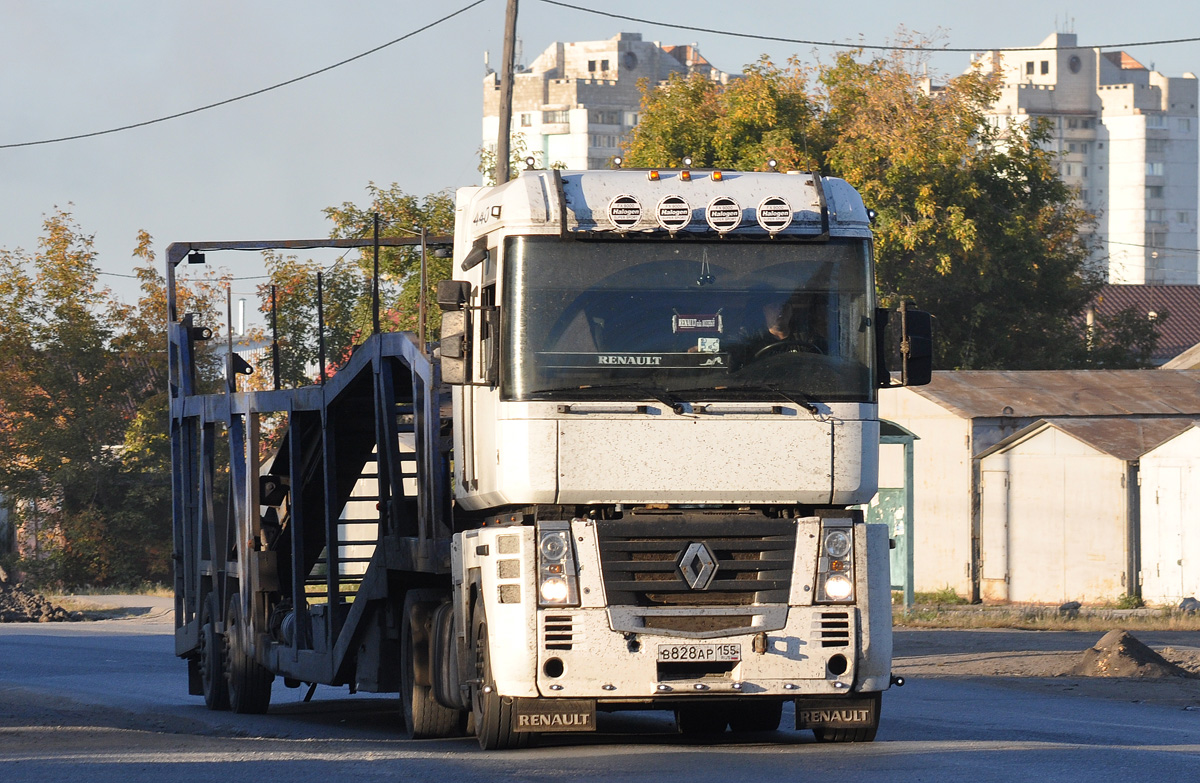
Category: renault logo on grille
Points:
column 698, row 566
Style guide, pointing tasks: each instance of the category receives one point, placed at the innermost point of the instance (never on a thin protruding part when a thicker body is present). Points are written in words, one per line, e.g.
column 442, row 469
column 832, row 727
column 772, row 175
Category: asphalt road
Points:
column 107, row 701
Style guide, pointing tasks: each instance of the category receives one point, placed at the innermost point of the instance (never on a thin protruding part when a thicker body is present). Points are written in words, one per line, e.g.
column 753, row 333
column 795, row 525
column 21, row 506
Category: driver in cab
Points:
column 781, row 331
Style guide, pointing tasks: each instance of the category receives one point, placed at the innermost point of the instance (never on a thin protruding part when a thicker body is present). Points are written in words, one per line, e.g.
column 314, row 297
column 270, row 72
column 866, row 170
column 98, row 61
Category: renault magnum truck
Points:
column 643, row 490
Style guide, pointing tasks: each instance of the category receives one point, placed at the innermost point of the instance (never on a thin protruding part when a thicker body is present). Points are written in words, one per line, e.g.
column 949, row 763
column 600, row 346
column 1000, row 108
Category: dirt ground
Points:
column 1081, row 663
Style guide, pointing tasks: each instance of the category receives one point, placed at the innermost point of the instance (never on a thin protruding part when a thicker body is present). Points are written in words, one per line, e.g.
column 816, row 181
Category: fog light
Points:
column 837, row 587
column 555, row 590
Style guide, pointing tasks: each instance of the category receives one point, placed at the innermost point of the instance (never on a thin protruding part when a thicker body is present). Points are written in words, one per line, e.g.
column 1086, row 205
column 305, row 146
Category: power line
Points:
column 834, row 44
column 198, row 109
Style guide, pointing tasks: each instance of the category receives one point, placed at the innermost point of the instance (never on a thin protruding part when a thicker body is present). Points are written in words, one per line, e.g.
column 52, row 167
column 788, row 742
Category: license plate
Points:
column 686, row 653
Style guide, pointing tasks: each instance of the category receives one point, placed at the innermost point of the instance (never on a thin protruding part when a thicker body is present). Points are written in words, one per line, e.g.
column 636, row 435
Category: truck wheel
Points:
column 249, row 681
column 864, row 734
column 212, row 673
column 493, row 713
column 701, row 719
column 424, row 717
column 756, row 716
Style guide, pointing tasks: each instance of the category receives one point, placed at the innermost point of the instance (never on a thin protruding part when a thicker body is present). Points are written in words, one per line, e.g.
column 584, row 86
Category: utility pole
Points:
column 506, row 91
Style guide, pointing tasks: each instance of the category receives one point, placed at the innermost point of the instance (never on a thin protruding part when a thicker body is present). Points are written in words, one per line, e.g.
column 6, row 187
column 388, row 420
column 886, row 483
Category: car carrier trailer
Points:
column 640, row 492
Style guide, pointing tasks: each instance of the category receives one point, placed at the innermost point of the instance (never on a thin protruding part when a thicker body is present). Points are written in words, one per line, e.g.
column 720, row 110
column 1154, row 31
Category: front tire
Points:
column 492, row 713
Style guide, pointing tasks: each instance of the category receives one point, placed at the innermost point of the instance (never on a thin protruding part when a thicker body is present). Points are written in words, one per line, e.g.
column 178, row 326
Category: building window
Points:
column 591, row 66
column 1029, row 68
column 1045, row 66
column 1083, row 147
column 1155, row 215
column 555, row 117
column 1085, row 171
column 1070, row 169
column 1154, row 169
column 526, row 119
column 1071, row 147
column 1072, row 122
column 1083, row 195
column 1185, row 124
column 1156, row 121
column 1099, row 145
column 1154, row 191
column 1156, row 145
column 604, row 65
column 602, row 117
column 1183, row 217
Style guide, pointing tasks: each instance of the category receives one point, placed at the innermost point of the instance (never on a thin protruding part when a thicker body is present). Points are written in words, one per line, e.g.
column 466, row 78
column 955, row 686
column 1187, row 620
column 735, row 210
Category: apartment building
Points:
column 576, row 102
column 1127, row 136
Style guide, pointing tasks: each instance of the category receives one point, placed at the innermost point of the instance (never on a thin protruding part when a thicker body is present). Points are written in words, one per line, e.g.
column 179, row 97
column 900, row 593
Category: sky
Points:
column 265, row 167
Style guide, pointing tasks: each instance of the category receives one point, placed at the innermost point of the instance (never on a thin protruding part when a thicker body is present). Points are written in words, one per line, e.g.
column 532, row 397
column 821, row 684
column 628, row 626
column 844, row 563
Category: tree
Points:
column 67, row 394
column 974, row 223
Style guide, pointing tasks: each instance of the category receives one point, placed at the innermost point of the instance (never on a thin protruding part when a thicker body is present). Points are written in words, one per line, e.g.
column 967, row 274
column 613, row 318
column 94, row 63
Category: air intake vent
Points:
column 558, row 633
column 833, row 629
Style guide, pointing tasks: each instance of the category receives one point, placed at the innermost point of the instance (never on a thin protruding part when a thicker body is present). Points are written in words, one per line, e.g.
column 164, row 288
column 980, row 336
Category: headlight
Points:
column 554, row 590
column 838, row 587
column 837, row 543
column 835, row 562
column 558, row 576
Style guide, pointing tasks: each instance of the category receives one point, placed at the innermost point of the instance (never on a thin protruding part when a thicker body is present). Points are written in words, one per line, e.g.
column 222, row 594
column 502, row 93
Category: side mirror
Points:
column 916, row 346
column 883, row 376
column 453, row 294
column 453, row 346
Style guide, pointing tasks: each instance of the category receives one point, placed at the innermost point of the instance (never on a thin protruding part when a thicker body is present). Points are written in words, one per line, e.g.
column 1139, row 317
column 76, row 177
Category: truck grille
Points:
column 641, row 561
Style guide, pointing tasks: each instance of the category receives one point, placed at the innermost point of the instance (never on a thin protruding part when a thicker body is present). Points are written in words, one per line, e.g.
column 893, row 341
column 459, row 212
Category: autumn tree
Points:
column 974, row 223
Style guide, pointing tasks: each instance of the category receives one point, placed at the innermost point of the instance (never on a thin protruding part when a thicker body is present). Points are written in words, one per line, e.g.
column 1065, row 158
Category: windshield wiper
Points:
column 799, row 398
column 674, row 403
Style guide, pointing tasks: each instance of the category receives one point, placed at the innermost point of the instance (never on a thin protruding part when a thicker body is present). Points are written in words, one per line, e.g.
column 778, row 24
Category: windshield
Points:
column 713, row 320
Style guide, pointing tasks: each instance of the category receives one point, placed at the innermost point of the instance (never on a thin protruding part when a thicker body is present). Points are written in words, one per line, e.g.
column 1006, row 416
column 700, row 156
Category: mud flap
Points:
column 851, row 712
column 546, row 715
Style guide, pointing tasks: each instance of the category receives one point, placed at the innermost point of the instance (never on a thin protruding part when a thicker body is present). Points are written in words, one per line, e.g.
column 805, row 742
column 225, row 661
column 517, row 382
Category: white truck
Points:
column 643, row 495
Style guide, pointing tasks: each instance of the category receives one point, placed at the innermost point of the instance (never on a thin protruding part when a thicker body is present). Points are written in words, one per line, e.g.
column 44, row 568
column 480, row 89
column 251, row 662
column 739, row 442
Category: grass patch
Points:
column 1046, row 618
column 945, row 597
column 156, row 589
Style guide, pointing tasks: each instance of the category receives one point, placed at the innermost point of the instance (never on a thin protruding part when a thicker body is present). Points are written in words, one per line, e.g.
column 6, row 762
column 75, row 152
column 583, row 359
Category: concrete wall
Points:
column 942, row 489
column 1170, row 520
column 1057, row 526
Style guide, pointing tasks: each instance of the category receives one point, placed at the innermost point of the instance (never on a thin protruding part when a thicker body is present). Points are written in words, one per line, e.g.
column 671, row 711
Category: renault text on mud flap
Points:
column 555, row 715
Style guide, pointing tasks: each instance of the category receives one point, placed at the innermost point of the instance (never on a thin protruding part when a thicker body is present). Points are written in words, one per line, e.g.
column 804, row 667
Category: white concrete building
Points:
column 576, row 103
column 1170, row 519
column 1060, row 516
column 960, row 415
column 1128, row 140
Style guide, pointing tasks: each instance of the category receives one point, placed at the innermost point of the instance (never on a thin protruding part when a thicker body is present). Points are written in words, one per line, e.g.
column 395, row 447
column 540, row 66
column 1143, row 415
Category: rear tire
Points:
column 492, row 713
column 249, row 681
column 864, row 734
column 211, row 659
column 424, row 717
column 756, row 716
column 702, row 719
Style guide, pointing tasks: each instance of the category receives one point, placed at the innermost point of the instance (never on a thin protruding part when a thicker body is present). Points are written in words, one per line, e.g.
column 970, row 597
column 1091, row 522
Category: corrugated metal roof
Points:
column 1056, row 393
column 1125, row 439
column 1179, row 331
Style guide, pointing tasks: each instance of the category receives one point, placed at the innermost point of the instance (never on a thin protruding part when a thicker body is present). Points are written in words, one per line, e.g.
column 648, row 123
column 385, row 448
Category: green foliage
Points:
column 974, row 223
column 68, row 389
column 944, row 596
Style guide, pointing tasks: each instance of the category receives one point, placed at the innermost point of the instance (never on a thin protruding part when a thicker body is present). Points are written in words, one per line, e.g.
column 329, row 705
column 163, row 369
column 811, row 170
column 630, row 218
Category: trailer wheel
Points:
column 249, row 681
column 212, row 672
column 756, row 716
column 701, row 718
column 424, row 717
column 865, row 734
column 493, row 714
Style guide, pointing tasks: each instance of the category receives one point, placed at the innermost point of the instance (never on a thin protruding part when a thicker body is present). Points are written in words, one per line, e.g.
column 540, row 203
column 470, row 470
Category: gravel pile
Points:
column 1119, row 654
column 18, row 605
